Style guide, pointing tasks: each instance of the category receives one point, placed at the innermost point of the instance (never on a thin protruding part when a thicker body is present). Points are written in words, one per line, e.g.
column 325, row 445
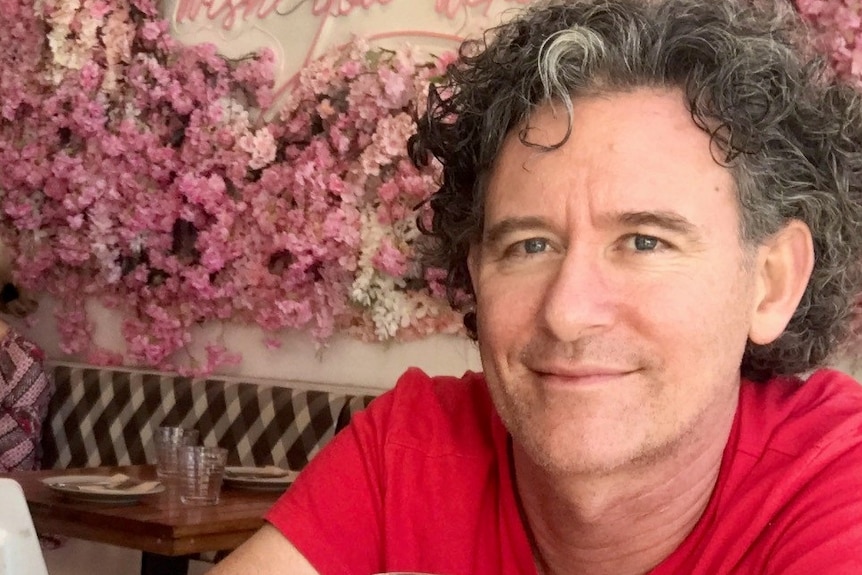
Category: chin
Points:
column 573, row 454
column 587, row 449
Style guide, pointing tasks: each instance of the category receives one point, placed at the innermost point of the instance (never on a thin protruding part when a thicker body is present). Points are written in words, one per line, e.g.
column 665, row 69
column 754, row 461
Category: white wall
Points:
column 344, row 361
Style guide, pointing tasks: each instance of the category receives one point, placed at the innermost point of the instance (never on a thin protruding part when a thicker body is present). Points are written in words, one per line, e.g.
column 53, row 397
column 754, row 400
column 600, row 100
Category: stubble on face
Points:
column 673, row 325
column 566, row 431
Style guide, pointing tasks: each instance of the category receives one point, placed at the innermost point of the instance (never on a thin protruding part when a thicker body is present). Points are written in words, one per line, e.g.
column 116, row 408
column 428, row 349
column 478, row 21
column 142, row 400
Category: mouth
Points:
column 585, row 376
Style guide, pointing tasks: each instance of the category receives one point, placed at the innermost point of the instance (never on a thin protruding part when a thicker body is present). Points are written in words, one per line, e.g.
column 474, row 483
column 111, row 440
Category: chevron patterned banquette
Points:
column 108, row 416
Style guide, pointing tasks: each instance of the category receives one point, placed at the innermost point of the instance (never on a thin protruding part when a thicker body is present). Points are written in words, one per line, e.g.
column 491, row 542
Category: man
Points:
column 656, row 209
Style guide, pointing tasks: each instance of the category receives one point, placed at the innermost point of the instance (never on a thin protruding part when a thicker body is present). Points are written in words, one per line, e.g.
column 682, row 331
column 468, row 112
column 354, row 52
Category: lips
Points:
column 580, row 374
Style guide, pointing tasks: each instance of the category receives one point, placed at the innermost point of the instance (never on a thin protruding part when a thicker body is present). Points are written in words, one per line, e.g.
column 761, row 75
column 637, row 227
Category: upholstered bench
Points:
column 108, row 416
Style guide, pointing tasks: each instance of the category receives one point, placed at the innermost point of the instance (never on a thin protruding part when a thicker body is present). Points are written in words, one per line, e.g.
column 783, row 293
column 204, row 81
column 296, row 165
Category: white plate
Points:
column 70, row 485
column 268, row 478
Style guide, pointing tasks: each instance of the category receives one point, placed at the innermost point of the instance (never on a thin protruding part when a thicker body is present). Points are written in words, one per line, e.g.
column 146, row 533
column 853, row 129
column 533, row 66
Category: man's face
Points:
column 614, row 295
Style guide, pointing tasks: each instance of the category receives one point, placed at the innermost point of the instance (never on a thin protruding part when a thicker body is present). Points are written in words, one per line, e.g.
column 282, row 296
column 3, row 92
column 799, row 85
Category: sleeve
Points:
column 25, row 390
column 333, row 513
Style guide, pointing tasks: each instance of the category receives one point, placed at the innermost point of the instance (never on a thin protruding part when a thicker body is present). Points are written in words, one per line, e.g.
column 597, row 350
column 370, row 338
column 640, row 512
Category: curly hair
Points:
column 789, row 131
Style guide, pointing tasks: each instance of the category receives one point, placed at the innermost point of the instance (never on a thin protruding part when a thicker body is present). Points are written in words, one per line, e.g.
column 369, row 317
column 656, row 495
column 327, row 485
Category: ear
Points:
column 784, row 265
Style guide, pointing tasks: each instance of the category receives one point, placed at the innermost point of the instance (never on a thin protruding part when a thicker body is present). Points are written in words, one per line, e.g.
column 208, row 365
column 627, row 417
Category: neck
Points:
column 624, row 522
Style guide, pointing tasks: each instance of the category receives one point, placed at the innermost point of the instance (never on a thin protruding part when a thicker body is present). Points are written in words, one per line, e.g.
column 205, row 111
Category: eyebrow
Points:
column 512, row 225
column 662, row 219
column 670, row 221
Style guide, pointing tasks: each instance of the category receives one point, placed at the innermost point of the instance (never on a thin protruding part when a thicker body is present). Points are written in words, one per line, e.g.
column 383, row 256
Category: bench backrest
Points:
column 107, row 416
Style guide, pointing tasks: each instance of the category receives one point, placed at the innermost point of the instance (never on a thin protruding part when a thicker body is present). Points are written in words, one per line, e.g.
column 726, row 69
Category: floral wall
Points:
column 159, row 180
column 156, row 178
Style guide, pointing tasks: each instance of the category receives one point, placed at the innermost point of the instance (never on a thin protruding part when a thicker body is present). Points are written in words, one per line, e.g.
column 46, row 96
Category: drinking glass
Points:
column 201, row 474
column 168, row 441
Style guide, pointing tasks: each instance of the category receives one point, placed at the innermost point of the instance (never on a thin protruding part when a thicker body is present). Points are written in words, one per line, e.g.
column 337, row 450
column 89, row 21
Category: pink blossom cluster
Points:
column 146, row 175
column 837, row 25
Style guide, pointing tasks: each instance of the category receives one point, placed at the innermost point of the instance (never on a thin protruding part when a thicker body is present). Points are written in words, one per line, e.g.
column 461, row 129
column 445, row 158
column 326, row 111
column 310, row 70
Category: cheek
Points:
column 507, row 302
column 697, row 319
column 506, row 317
column 702, row 289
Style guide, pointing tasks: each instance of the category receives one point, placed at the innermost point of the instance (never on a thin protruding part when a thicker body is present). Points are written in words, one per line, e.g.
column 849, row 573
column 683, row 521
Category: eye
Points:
column 528, row 247
column 535, row 245
column 645, row 243
column 642, row 243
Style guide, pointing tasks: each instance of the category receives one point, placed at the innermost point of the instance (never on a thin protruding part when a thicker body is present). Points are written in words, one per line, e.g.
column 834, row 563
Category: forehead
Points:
column 631, row 151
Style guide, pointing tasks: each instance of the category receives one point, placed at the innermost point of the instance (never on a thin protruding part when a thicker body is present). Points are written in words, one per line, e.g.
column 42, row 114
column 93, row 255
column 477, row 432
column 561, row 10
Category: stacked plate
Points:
column 269, row 478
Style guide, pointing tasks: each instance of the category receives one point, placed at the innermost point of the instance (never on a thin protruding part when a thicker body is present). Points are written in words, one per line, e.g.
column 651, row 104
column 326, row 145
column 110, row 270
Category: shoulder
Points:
column 437, row 414
column 794, row 416
column 18, row 348
column 804, row 474
column 442, row 395
column 789, row 494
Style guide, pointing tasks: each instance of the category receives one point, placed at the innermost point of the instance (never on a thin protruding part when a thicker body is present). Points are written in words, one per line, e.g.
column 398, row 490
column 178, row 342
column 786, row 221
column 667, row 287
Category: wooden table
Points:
column 165, row 530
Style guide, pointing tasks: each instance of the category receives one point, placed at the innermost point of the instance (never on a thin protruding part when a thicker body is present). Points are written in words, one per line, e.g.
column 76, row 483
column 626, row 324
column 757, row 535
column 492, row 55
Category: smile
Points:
column 587, row 377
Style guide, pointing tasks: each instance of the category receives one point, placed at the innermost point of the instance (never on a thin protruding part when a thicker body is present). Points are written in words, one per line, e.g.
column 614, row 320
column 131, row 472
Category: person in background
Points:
column 654, row 210
column 25, row 388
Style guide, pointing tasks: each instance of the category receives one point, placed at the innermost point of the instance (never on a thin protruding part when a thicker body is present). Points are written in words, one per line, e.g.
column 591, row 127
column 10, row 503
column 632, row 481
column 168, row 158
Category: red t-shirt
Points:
column 420, row 481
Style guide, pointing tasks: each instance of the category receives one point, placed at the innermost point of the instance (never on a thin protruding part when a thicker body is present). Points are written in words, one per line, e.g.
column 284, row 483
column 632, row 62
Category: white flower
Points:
column 381, row 294
column 72, row 54
column 261, row 146
column 235, row 115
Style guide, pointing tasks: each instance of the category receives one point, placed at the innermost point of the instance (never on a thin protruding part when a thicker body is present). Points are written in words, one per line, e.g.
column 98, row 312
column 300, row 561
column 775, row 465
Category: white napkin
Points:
column 116, row 484
column 267, row 472
column 272, row 471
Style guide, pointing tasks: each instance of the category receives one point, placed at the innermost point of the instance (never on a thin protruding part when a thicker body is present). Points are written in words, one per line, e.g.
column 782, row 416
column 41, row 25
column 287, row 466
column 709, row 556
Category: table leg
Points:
column 155, row 564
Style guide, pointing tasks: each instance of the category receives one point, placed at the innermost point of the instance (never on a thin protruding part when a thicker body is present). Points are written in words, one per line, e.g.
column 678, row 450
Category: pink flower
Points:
column 260, row 146
column 838, row 29
column 390, row 260
column 351, row 69
column 148, row 178
column 272, row 342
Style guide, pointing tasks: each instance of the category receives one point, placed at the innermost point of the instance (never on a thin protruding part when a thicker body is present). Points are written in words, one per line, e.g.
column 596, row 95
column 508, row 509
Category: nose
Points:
column 579, row 298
